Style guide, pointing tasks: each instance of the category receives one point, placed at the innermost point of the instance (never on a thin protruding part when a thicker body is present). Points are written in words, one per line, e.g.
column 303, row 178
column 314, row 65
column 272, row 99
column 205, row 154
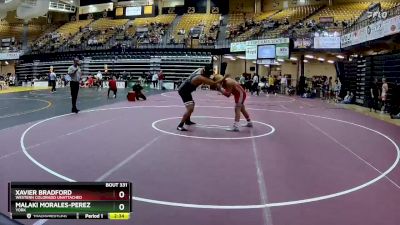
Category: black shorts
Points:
column 186, row 98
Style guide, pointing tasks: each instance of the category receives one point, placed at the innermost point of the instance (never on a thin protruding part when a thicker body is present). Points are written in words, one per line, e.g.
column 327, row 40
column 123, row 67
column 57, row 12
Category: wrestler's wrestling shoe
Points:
column 233, row 129
column 181, row 129
column 248, row 124
column 189, row 123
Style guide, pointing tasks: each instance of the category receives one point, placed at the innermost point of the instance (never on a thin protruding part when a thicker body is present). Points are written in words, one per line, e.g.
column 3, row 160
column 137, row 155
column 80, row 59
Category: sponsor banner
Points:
column 238, row 46
column 359, row 36
column 282, row 51
column 120, row 84
column 327, row 42
column 268, row 41
column 353, row 38
column 326, row 20
column 6, row 40
column 266, row 61
column 391, row 26
column 345, row 40
column 251, row 46
column 9, row 55
column 303, row 43
column 375, row 30
column 241, row 46
column 251, row 52
column 142, row 29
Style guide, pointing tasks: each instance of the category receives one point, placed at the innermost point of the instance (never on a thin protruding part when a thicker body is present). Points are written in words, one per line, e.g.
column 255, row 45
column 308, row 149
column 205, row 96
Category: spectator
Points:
column 99, row 78
column 90, row 82
column 337, row 87
column 271, row 82
column 331, row 89
column 385, row 90
column 374, row 95
column 254, row 87
column 348, row 99
column 53, row 79
column 161, row 80
column 395, row 109
column 242, row 81
column 137, row 88
column 154, row 80
column 112, row 86
column 283, row 84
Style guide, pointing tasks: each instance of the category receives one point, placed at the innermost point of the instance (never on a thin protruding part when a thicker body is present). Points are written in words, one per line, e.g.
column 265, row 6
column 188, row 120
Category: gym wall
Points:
column 278, row 4
column 172, row 3
column 10, row 68
column 243, row 6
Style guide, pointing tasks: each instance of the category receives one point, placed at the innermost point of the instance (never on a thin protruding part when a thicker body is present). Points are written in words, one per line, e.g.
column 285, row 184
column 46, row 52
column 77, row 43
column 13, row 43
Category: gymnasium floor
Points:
column 305, row 162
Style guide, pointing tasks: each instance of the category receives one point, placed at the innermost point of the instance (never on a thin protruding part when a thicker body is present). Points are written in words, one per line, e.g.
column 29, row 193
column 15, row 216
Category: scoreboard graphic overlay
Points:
column 65, row 200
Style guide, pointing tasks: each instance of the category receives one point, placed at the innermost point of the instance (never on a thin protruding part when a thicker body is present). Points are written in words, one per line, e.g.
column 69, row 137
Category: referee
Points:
column 75, row 73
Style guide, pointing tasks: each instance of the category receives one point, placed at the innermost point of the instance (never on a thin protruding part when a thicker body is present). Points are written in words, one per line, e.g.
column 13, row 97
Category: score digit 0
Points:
column 121, row 194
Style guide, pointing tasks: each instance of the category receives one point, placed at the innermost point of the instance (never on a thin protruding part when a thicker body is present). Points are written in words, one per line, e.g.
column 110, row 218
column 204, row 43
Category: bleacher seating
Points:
column 342, row 13
column 107, row 28
column 44, row 37
column 8, row 30
column 12, row 27
column 122, row 33
column 189, row 21
column 236, row 19
column 156, row 28
column 264, row 15
column 166, row 19
column 243, row 31
column 99, row 31
column 68, row 30
column 389, row 5
column 288, row 18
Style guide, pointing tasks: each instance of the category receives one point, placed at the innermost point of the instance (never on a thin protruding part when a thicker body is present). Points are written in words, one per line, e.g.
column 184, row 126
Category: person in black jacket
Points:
column 137, row 88
column 374, row 95
column 395, row 109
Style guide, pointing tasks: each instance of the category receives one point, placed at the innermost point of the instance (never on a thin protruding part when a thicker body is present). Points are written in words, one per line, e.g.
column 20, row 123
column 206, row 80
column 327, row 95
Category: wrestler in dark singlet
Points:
column 197, row 78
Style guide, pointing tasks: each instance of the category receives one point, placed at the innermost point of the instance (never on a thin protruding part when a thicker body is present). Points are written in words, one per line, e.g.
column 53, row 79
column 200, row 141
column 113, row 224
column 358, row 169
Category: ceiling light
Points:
column 241, row 57
column 6, row 62
column 254, row 62
column 293, row 58
column 306, row 61
column 228, row 56
column 321, row 59
column 340, row 56
column 309, row 56
column 331, row 61
column 266, row 65
column 280, row 60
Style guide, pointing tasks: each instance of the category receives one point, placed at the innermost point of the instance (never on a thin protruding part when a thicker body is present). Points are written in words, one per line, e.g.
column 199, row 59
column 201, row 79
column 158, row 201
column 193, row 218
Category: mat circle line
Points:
column 27, row 111
column 237, row 207
column 212, row 138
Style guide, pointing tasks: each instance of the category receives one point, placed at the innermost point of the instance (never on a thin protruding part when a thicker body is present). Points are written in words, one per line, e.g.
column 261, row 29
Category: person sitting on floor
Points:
column 137, row 88
column 348, row 98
